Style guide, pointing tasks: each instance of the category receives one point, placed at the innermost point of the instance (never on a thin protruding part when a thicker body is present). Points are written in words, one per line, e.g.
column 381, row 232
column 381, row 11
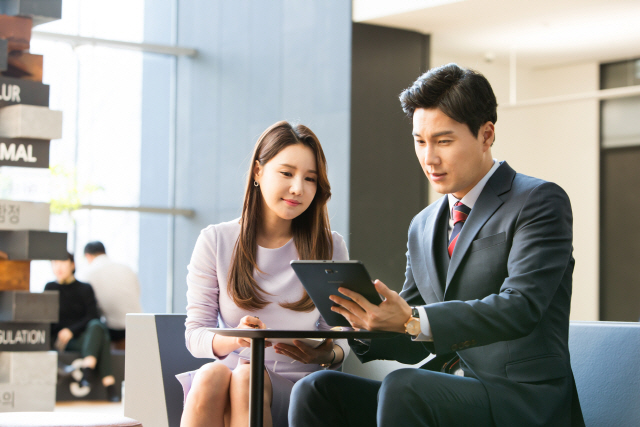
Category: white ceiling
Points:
column 540, row 32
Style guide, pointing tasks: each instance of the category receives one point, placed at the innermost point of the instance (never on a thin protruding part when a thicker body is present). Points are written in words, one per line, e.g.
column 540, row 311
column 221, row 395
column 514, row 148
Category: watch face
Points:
column 413, row 327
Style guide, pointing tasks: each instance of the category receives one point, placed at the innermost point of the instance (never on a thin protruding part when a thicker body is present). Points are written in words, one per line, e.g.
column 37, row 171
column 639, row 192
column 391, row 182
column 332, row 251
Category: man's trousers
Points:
column 407, row 397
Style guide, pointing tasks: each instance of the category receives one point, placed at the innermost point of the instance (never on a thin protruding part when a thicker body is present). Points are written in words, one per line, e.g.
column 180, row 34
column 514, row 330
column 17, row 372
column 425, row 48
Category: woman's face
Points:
column 288, row 181
column 63, row 270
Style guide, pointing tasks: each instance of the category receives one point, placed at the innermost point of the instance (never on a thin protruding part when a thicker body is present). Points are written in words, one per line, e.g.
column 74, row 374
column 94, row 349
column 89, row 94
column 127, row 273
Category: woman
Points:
column 79, row 329
column 240, row 272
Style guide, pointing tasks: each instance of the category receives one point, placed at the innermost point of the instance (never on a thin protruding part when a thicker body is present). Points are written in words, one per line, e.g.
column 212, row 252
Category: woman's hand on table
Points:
column 250, row 322
column 323, row 354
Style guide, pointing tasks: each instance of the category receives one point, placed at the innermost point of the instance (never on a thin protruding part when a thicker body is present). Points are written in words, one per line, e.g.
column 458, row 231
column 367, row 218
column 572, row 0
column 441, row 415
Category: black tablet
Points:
column 323, row 278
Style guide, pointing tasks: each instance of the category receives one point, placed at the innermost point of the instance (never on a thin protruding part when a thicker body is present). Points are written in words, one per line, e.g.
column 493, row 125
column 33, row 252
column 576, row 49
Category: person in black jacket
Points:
column 79, row 328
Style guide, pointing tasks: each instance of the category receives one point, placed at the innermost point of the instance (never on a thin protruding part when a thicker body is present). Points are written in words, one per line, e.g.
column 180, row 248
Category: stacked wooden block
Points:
column 28, row 370
column 26, row 122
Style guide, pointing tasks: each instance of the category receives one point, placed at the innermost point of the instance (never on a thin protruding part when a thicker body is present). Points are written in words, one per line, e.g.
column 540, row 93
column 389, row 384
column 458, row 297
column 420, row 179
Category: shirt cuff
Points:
column 425, row 328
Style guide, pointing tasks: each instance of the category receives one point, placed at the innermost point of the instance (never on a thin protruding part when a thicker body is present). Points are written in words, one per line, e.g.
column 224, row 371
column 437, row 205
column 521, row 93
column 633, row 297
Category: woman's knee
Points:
column 209, row 390
column 240, row 376
column 212, row 380
column 240, row 382
column 213, row 372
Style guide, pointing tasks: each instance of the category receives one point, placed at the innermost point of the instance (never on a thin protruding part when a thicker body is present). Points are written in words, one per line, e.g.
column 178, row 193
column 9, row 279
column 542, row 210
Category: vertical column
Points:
column 28, row 370
column 388, row 186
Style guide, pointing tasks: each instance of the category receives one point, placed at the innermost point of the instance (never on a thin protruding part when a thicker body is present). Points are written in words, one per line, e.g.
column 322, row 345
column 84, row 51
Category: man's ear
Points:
column 487, row 135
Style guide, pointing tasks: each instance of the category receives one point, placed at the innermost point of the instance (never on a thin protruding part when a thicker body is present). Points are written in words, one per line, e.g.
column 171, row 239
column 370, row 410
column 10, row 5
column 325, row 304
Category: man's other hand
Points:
column 390, row 315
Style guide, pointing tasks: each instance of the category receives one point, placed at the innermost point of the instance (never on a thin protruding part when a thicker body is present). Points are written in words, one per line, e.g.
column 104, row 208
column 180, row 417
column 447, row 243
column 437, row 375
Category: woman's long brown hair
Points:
column 311, row 229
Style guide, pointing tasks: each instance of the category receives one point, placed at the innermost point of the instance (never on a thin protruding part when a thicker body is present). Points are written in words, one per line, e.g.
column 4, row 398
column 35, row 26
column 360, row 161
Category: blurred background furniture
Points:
column 605, row 358
column 156, row 352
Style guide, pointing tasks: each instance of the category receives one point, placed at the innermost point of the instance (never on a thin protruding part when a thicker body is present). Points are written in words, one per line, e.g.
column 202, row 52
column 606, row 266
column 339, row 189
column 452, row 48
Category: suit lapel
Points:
column 429, row 239
column 488, row 202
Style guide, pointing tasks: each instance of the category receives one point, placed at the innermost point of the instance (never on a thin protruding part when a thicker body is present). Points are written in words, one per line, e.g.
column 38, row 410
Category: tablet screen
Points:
column 323, row 278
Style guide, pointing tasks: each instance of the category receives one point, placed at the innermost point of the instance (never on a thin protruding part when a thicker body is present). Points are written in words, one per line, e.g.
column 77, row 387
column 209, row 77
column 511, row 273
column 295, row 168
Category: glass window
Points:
column 97, row 161
column 615, row 75
column 620, row 74
column 106, row 19
column 619, row 124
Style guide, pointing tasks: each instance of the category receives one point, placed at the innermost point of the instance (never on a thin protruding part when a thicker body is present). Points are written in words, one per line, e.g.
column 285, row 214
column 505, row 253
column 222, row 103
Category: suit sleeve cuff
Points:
column 425, row 328
column 360, row 346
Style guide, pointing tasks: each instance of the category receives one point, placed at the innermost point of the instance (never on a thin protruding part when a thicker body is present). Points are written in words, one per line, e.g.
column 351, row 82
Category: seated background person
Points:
column 116, row 287
column 79, row 328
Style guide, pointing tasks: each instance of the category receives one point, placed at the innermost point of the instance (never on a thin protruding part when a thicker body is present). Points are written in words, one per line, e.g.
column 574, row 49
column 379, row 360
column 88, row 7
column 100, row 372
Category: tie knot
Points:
column 460, row 212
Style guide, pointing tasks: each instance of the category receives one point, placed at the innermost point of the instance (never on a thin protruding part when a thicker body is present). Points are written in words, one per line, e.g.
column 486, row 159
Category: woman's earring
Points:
column 255, row 184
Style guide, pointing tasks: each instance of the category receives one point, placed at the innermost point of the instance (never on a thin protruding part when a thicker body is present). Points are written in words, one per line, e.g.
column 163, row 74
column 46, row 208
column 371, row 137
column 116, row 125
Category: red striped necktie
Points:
column 460, row 213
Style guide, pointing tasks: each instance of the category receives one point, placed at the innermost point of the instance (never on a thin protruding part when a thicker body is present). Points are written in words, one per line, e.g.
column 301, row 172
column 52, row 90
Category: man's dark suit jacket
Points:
column 502, row 302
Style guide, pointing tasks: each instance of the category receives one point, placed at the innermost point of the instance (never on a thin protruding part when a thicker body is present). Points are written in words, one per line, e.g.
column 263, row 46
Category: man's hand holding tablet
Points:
column 390, row 315
column 322, row 279
column 362, row 303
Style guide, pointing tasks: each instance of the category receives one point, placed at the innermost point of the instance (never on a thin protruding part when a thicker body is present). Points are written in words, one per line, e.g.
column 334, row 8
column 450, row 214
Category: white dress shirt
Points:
column 117, row 290
column 468, row 200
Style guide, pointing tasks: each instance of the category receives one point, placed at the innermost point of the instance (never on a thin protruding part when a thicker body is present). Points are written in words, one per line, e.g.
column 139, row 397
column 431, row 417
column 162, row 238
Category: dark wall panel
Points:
column 388, row 186
column 620, row 235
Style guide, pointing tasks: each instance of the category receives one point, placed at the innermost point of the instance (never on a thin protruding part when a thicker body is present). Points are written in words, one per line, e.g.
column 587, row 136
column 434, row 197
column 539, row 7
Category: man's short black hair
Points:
column 462, row 94
column 94, row 248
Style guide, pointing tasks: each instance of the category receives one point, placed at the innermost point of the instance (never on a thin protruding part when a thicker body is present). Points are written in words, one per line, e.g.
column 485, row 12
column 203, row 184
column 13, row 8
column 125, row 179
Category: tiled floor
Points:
column 91, row 406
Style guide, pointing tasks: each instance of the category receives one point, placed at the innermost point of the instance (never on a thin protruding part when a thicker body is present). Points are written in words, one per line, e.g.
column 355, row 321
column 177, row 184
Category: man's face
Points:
column 451, row 157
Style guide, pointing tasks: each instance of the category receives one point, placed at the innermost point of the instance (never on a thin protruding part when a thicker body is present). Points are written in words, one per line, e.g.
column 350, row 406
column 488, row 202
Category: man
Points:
column 116, row 287
column 487, row 288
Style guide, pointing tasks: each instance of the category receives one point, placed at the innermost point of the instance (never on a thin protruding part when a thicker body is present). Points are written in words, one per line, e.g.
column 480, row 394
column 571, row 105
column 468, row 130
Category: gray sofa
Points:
column 605, row 357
